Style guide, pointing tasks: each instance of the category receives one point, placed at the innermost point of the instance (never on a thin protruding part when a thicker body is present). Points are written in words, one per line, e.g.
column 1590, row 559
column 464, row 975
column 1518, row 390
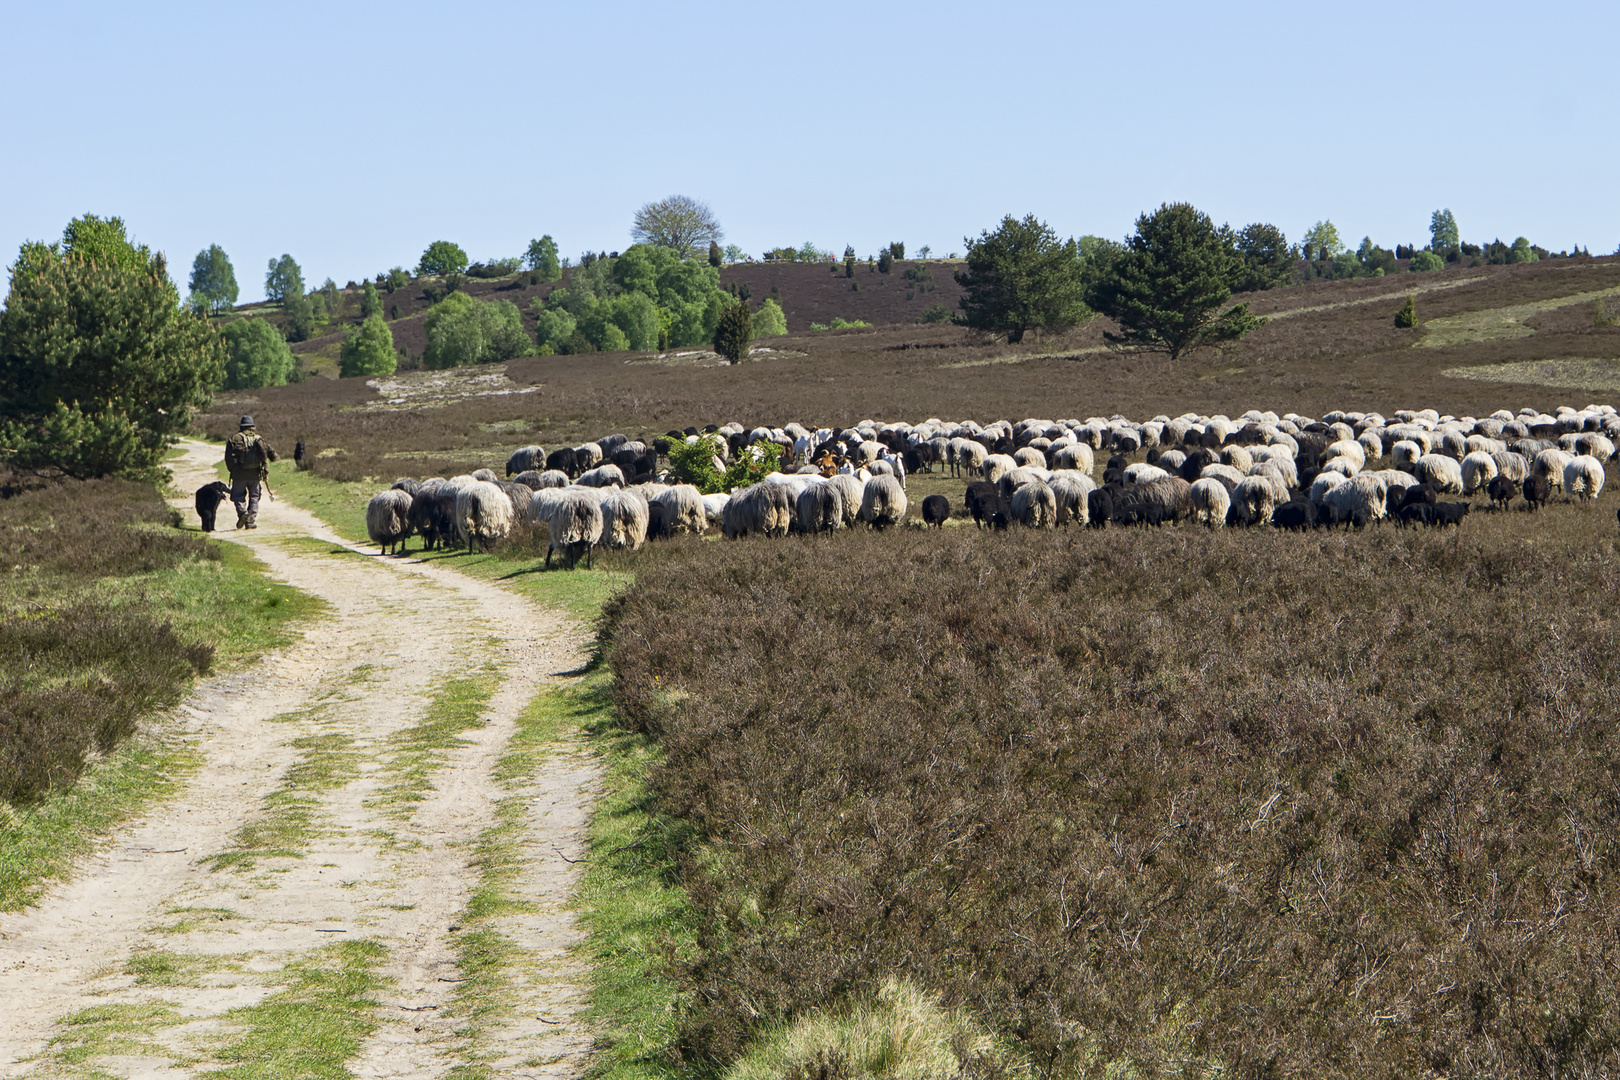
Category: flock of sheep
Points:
column 1289, row 471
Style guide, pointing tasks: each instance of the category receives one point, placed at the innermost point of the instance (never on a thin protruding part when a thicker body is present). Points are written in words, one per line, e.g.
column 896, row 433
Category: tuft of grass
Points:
column 1499, row 323
column 902, row 1033
column 109, row 1029
column 417, row 751
column 197, row 918
column 631, row 901
column 313, row 1027
column 329, row 761
column 157, row 967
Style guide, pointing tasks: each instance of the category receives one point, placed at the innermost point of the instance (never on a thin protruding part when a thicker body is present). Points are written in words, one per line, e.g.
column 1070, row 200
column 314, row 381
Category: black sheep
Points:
column 1099, row 507
column 1449, row 513
column 1415, row 514
column 658, row 522
column 1418, row 494
column 936, row 510
column 1193, row 467
column 1297, row 515
column 209, row 496
column 978, row 493
column 564, row 461
column 1502, row 491
column 1537, row 489
column 997, row 511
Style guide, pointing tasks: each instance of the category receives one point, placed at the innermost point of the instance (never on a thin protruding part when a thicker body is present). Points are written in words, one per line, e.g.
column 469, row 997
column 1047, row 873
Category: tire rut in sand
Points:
column 346, row 784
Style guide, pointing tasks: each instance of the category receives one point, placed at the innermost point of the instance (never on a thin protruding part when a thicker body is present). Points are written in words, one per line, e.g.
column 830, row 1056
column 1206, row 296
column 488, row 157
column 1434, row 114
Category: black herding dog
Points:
column 209, row 496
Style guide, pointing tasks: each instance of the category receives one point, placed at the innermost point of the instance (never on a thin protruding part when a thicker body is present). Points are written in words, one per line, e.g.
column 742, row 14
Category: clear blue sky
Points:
column 352, row 135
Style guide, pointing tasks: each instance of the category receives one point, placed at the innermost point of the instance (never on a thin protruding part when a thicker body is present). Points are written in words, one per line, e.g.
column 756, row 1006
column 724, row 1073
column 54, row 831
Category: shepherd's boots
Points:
column 242, row 519
column 252, row 521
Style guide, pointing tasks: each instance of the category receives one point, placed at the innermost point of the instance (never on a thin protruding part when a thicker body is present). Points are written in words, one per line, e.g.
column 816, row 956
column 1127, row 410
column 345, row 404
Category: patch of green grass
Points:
column 630, row 901
column 418, row 750
column 1573, row 373
column 39, row 844
column 109, row 1029
column 340, row 505
column 159, row 967
column 1497, row 324
column 197, row 918
column 330, row 760
column 316, row 1025
column 487, row 958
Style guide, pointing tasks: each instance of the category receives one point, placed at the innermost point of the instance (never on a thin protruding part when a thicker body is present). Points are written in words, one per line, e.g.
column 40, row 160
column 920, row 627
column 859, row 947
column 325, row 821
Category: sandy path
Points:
column 321, row 721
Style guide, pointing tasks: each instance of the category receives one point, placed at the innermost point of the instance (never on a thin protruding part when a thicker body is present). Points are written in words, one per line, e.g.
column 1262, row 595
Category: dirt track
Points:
column 318, row 727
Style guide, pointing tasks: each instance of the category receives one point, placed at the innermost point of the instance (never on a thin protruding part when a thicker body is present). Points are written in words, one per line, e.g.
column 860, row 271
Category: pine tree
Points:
column 732, row 335
column 1406, row 318
column 370, row 302
column 715, row 256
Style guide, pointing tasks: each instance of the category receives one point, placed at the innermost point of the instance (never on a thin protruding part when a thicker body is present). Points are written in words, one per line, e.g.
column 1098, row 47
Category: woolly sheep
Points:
column 602, row 476
column 1550, row 464
column 1238, row 457
column 1070, row 489
column 484, row 514
column 1210, row 502
column 1326, row 482
column 1034, row 505
column 683, row 508
column 1228, row 476
column 1513, row 466
column 883, row 502
column 820, row 508
column 1078, row 457
column 526, row 459
column 1255, row 497
column 1142, row 473
column 1342, row 465
column 714, row 507
column 575, row 525
column 996, row 466
column 1362, row 496
column 1478, row 469
column 850, row 489
column 1442, row 473
column 485, row 475
column 1347, row 448
column 388, row 519
column 762, row 508
column 624, row 519
column 1029, row 456
column 1583, row 477
column 1170, row 495
column 1405, row 453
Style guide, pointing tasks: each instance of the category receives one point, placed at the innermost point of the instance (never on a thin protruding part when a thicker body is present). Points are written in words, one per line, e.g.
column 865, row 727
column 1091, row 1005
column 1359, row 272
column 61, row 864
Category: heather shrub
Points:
column 1320, row 805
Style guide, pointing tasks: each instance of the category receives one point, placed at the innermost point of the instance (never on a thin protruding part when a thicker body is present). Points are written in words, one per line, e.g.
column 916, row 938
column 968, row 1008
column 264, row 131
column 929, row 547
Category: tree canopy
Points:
column 679, row 223
column 255, row 355
column 442, row 257
column 642, row 292
column 368, row 350
column 734, row 331
column 213, row 279
column 100, row 368
column 1443, row 234
column 542, row 258
column 1020, row 278
column 1268, row 259
column 96, row 239
column 283, row 280
column 462, row 331
column 1322, row 240
column 1166, row 288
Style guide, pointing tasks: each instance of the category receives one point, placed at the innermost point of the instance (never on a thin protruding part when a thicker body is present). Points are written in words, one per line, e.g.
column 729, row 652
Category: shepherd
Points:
column 247, row 459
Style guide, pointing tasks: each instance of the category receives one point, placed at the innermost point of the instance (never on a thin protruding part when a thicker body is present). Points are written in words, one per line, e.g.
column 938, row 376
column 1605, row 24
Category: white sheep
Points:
column 1551, row 464
column 484, row 514
column 1440, row 472
column 1583, row 477
column 624, row 519
column 883, row 502
column 1211, row 502
column 1478, row 469
column 1035, row 505
column 575, row 525
column 683, row 509
column 388, row 519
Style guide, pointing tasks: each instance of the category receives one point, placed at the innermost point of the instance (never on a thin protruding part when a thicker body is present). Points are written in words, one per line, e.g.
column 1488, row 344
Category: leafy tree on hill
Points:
column 1268, row 259
column 885, row 261
column 463, row 331
column 442, row 257
column 1523, row 252
column 256, row 355
column 679, row 223
column 735, row 253
column 1406, row 318
column 331, row 297
column 542, row 258
column 370, row 302
column 689, row 290
column 283, row 279
column 715, row 255
column 735, row 331
column 1167, row 288
column 1020, row 278
column 368, row 350
column 213, row 279
column 770, row 320
column 301, row 315
column 397, row 278
column 1424, row 261
column 1322, row 241
column 552, row 328
column 98, row 239
column 1443, row 235
column 100, row 367
column 898, row 249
